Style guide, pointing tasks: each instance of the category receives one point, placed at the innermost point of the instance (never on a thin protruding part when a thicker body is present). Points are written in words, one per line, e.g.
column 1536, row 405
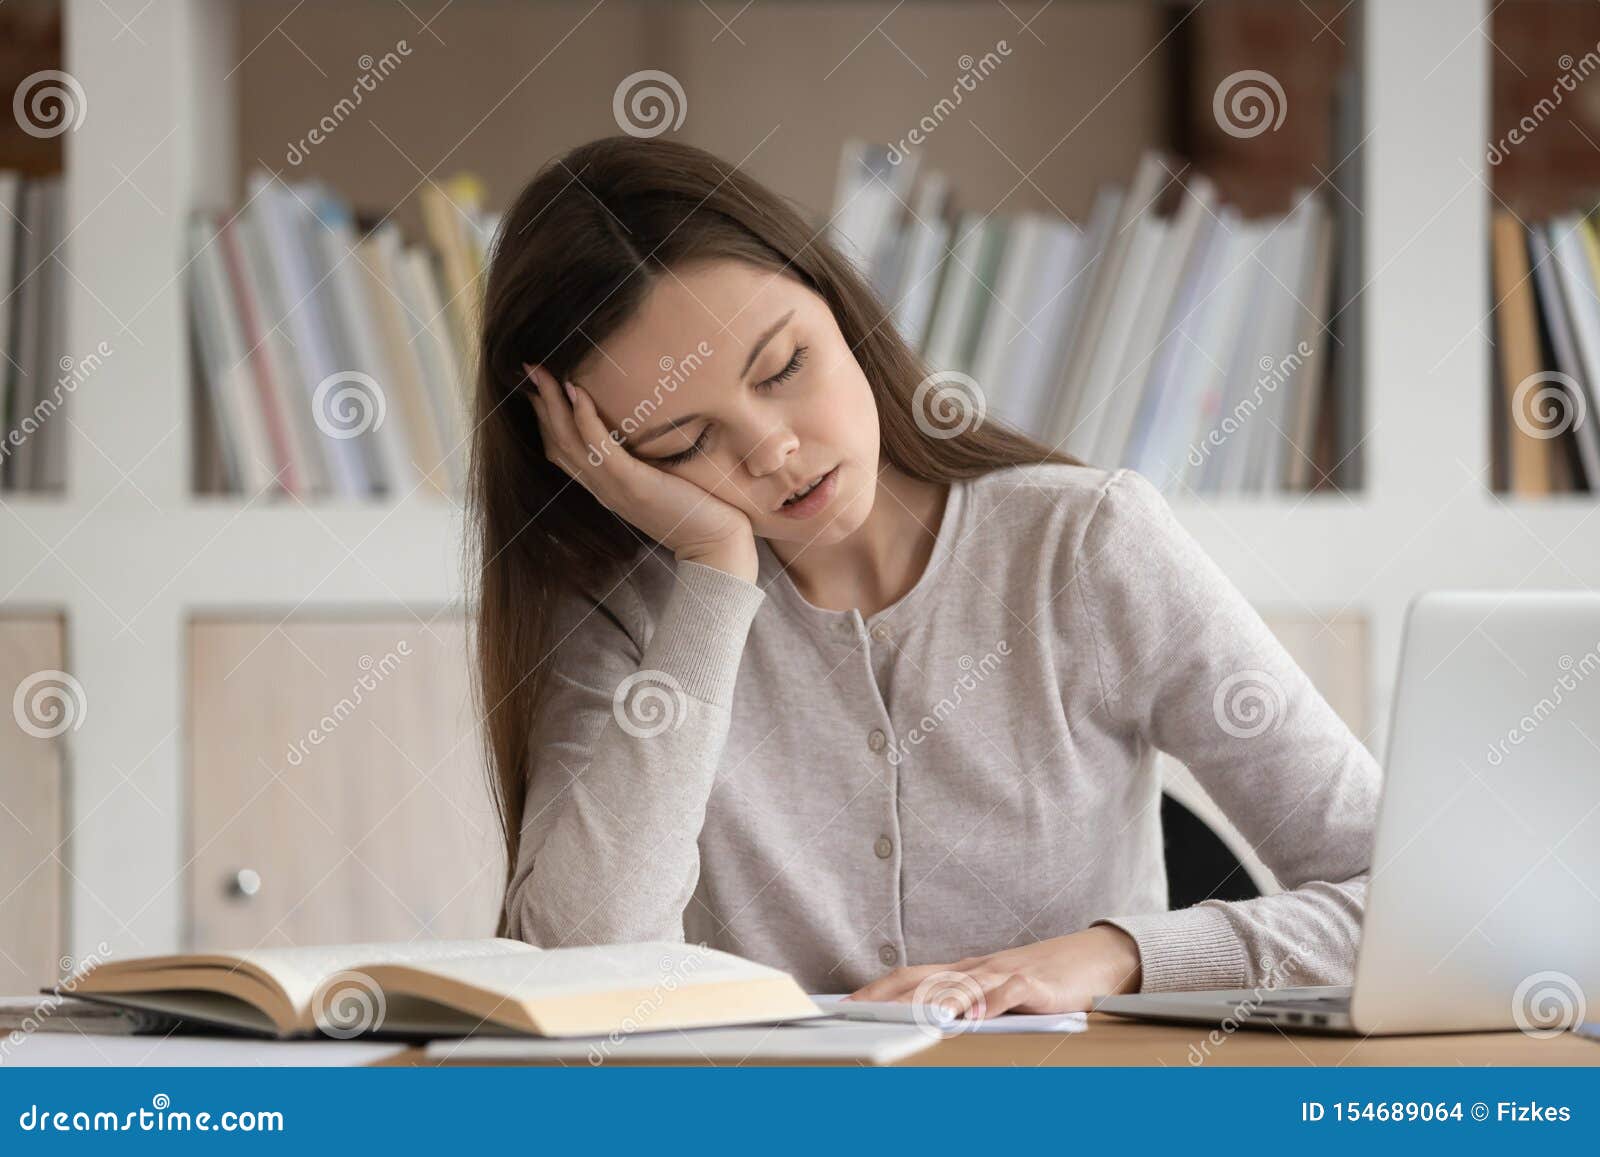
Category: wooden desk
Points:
column 1112, row 1040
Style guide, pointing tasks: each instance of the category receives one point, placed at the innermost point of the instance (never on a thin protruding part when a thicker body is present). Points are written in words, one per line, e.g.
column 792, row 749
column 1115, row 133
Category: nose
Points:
column 771, row 450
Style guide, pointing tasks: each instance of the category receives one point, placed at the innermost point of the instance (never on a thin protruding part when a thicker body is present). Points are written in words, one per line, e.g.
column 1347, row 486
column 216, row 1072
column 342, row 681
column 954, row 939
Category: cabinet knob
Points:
column 246, row 882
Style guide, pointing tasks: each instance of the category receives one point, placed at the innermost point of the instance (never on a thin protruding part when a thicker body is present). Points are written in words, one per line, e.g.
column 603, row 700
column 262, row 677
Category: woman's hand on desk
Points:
column 1062, row 974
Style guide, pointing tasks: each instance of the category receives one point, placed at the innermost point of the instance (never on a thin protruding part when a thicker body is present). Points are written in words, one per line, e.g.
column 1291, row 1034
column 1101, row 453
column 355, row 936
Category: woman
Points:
column 774, row 659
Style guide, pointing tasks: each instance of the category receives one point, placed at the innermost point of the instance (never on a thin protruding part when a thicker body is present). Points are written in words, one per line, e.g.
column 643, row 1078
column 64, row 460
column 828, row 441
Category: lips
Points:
column 797, row 495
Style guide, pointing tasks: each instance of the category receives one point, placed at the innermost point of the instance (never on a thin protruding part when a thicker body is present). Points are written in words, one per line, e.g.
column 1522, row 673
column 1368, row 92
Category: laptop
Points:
column 1483, row 905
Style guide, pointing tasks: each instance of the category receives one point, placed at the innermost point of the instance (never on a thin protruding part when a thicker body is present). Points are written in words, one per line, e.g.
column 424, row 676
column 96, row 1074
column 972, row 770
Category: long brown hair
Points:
column 574, row 257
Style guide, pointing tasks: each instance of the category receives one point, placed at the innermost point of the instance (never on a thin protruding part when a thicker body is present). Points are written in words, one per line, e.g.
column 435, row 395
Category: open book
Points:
column 451, row 987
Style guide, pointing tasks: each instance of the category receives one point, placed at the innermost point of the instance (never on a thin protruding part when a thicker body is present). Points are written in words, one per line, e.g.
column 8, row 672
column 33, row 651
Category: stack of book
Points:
column 333, row 359
column 1165, row 332
column 37, row 373
column 1544, row 432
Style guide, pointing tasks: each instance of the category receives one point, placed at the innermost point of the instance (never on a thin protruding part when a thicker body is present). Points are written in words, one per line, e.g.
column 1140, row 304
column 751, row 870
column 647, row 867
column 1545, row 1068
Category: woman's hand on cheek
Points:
column 1062, row 974
column 687, row 519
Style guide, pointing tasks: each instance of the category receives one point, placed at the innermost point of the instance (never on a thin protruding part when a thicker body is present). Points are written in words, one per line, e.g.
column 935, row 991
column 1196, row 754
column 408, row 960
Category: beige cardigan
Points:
column 967, row 770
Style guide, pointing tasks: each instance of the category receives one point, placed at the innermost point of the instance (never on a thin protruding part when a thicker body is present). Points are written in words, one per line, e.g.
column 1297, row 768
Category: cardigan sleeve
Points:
column 1189, row 663
column 625, row 753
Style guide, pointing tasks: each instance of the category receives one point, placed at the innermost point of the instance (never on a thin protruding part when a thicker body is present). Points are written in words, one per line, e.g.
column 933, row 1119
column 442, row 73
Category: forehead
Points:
column 724, row 304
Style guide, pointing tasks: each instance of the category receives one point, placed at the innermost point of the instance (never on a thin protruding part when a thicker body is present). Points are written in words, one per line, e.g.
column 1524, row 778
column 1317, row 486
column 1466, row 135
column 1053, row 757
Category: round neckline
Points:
column 774, row 576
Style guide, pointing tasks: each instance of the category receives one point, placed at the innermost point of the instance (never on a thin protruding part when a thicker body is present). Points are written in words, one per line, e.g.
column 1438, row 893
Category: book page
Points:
column 300, row 970
column 598, row 968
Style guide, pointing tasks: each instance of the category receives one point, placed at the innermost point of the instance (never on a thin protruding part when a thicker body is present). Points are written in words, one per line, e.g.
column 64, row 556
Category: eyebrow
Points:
column 756, row 347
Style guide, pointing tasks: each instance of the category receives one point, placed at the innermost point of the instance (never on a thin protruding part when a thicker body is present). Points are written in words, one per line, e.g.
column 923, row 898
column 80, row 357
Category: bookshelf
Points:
column 129, row 556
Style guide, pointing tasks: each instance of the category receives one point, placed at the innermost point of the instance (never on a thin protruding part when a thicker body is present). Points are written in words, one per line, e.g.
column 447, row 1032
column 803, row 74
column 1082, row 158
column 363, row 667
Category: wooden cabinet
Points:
column 42, row 706
column 336, row 785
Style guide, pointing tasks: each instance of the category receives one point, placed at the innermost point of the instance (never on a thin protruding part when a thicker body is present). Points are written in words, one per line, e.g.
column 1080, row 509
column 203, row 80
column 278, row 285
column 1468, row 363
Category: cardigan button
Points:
column 880, row 633
column 884, row 847
column 888, row 954
column 877, row 740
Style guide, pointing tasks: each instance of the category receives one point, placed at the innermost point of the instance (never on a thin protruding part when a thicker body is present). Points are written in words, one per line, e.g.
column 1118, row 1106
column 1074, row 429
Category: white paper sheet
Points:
column 902, row 1012
column 54, row 1050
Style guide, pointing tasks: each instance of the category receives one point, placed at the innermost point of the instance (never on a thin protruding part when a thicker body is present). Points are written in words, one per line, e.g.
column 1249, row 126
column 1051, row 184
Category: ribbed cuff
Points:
column 700, row 638
column 1186, row 950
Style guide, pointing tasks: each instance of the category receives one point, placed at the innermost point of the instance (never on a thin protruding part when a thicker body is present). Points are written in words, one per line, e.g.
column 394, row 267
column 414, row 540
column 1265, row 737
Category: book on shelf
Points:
column 448, row 988
column 37, row 371
column 1164, row 332
column 1545, row 315
column 332, row 355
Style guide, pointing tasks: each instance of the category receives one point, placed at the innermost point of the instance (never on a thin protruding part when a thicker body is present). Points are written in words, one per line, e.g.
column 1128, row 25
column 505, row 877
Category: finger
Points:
column 896, row 985
column 1012, row 992
column 970, row 996
column 591, row 430
column 555, row 413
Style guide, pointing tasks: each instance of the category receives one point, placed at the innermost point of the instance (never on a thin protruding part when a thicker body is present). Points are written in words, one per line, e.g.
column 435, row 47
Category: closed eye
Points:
column 796, row 360
column 684, row 455
column 788, row 371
